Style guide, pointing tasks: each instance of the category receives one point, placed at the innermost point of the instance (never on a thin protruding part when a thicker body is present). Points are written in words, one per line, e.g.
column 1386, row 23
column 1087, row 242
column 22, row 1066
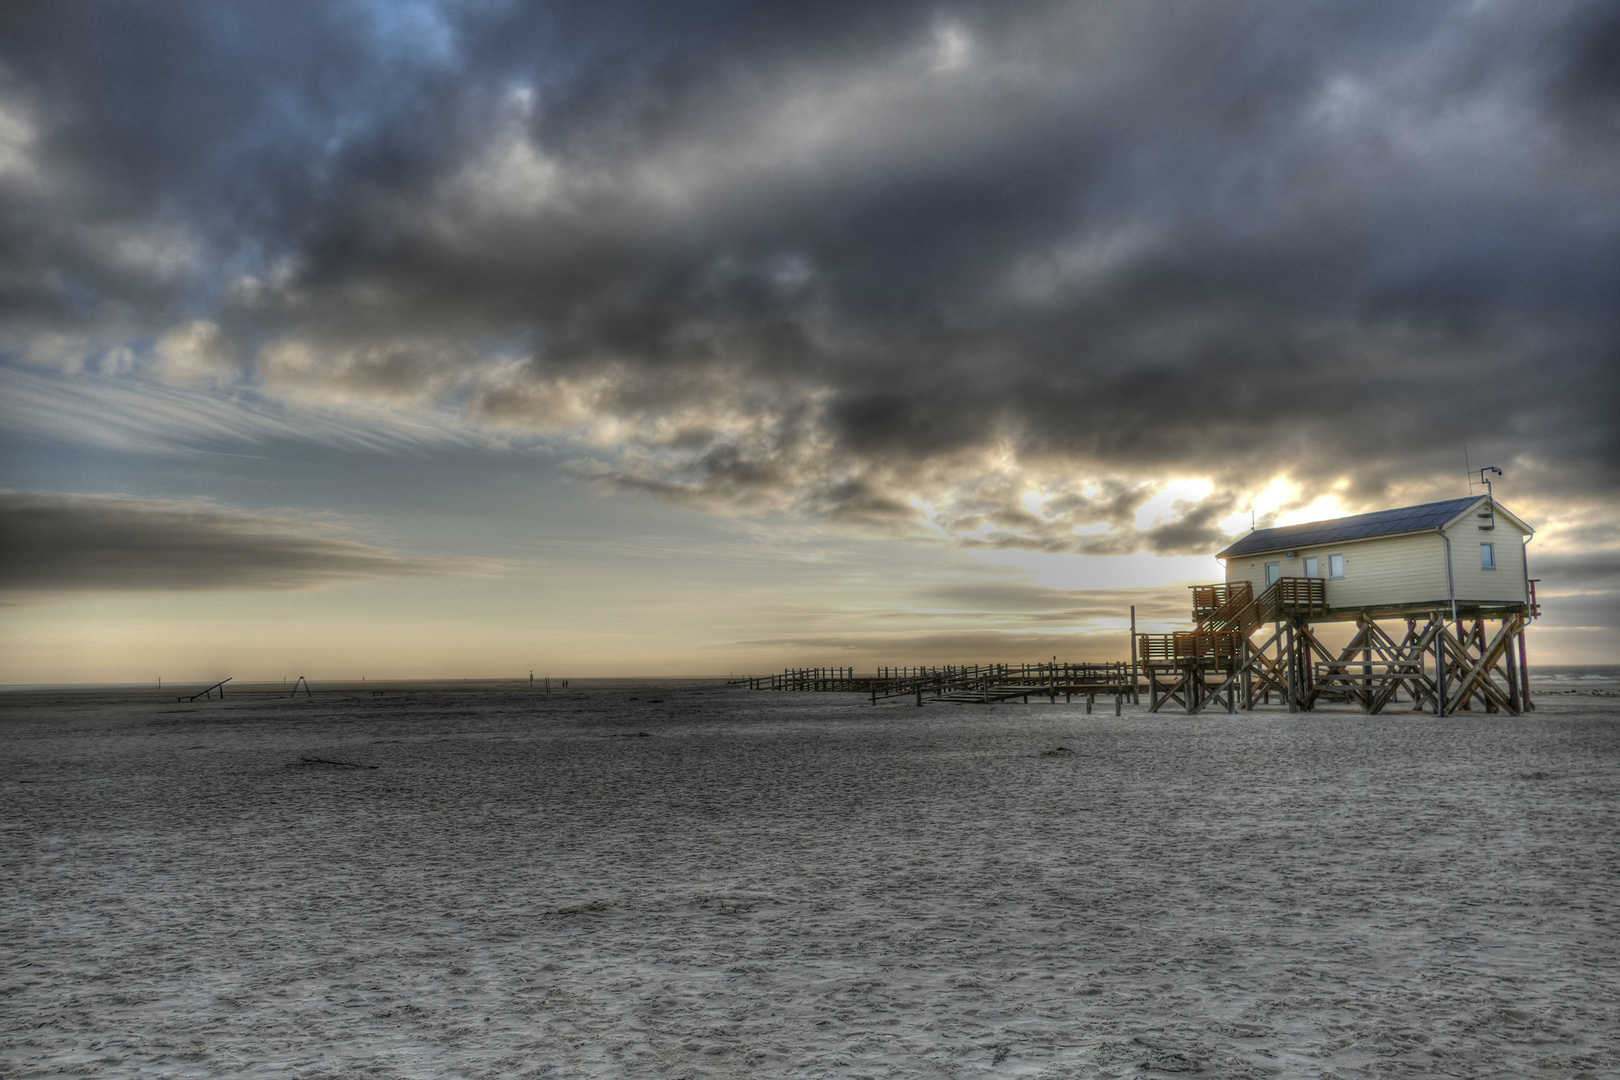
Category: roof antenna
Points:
column 1485, row 479
column 1251, row 519
column 1468, row 470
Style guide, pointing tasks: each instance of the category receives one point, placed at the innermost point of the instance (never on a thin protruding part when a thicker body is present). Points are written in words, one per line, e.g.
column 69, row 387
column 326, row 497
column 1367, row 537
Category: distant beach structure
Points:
column 1454, row 572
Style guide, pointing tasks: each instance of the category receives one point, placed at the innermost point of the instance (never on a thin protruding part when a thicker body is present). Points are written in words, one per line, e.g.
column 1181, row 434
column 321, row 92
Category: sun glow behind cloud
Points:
column 1319, row 509
column 1171, row 502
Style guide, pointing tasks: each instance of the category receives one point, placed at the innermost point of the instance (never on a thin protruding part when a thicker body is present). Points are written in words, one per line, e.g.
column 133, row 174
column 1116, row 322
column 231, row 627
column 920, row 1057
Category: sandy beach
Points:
column 703, row 882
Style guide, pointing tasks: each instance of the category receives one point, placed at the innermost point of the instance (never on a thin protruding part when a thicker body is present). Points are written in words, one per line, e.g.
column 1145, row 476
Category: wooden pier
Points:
column 1247, row 650
column 964, row 683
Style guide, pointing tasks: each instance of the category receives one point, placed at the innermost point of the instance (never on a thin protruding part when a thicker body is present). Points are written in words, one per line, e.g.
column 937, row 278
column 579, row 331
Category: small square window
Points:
column 1313, row 566
column 1487, row 556
column 1335, row 567
column 1273, row 572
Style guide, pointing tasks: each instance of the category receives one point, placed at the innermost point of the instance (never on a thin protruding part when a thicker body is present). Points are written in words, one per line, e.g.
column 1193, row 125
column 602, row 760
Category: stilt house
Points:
column 1443, row 569
column 1465, row 554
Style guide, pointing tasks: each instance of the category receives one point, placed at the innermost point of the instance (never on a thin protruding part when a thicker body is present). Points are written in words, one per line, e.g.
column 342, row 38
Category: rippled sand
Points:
column 723, row 883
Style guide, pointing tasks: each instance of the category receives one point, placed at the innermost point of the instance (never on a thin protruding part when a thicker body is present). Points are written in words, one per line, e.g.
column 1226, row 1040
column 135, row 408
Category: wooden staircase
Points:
column 1212, row 665
column 1233, row 606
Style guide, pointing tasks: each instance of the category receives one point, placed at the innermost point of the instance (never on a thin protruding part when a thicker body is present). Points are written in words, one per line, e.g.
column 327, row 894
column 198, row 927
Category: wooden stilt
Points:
column 1524, row 672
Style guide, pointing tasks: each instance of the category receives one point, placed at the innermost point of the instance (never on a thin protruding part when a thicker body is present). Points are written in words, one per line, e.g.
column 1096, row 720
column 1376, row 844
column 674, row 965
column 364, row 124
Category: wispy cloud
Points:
column 139, row 415
column 69, row 543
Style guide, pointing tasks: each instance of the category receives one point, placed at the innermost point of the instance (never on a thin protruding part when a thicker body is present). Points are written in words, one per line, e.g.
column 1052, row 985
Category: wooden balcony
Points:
column 1208, row 599
column 1293, row 596
column 1213, row 650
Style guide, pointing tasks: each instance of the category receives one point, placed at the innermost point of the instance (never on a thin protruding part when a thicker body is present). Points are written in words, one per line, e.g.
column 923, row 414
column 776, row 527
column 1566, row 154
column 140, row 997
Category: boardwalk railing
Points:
column 958, row 682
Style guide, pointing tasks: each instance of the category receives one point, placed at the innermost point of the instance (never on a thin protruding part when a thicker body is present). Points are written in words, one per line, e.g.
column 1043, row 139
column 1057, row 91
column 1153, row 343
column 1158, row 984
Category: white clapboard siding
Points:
column 1506, row 582
column 1390, row 570
column 1384, row 570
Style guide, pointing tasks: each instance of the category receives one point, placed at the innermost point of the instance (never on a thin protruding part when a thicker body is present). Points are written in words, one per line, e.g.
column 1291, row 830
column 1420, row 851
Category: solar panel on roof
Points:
column 1356, row 527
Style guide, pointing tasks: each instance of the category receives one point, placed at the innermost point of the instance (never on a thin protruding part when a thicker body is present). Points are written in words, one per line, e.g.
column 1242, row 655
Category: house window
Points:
column 1335, row 567
column 1273, row 572
column 1487, row 556
column 1313, row 566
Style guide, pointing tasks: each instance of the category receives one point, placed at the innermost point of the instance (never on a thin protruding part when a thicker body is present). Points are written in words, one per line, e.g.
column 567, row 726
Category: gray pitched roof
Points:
column 1356, row 527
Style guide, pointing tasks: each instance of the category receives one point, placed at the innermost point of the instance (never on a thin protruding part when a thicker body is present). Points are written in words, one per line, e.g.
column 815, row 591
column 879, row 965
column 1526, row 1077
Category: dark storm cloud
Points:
column 1579, row 589
column 992, row 272
column 1583, row 572
column 57, row 543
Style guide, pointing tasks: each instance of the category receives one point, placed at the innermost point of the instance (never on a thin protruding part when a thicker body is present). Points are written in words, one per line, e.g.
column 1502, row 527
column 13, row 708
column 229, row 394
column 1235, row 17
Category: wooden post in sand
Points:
column 1136, row 698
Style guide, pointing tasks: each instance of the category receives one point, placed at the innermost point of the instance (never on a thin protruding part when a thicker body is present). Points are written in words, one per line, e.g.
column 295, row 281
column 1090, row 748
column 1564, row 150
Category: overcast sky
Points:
column 453, row 339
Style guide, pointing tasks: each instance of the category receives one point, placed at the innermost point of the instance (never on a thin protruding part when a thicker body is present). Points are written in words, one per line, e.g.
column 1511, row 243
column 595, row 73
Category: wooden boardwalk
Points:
column 963, row 683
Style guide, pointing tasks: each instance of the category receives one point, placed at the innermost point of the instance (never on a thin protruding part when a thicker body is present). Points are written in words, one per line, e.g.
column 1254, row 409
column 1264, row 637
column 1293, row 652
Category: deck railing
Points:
column 1215, row 649
column 1208, row 599
column 1292, row 596
column 1233, row 612
column 1234, row 606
